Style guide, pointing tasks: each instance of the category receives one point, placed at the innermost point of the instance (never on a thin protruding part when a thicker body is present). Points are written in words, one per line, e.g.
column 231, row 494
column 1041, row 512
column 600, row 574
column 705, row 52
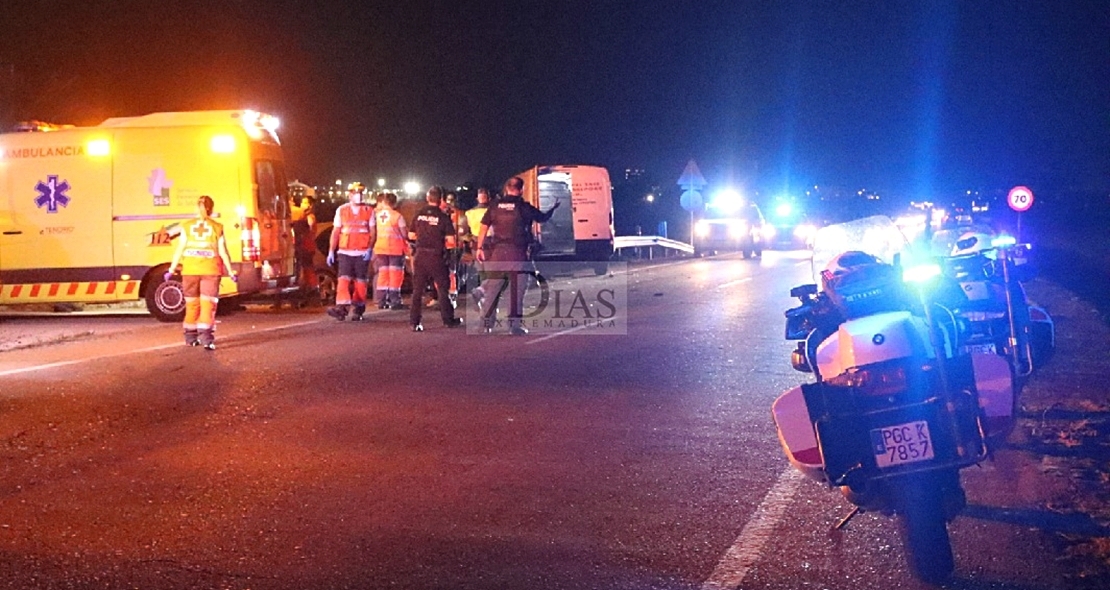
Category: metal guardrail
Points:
column 648, row 241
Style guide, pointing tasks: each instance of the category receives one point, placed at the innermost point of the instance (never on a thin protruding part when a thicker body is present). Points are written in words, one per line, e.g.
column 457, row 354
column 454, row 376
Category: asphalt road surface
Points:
column 308, row 453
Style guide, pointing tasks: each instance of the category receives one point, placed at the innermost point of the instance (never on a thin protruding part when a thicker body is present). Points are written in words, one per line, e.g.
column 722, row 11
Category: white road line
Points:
column 148, row 349
column 561, row 333
column 736, row 282
column 748, row 548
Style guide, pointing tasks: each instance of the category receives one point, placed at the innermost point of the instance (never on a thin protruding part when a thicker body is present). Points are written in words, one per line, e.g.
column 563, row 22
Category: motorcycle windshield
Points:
column 877, row 235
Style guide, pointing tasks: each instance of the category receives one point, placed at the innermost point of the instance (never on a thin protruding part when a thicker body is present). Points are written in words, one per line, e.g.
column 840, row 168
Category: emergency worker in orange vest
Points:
column 350, row 245
column 390, row 247
column 303, row 219
column 304, row 235
column 204, row 258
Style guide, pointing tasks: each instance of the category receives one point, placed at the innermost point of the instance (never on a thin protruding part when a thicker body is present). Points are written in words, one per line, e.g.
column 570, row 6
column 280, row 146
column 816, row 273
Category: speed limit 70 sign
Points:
column 1020, row 199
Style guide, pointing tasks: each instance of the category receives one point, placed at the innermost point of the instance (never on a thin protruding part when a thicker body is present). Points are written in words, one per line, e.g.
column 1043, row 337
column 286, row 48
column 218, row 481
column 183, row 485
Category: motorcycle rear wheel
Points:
column 925, row 532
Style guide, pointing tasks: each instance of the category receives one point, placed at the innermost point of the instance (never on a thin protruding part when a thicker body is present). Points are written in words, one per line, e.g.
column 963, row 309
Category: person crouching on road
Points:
column 390, row 247
column 204, row 258
column 434, row 233
column 351, row 238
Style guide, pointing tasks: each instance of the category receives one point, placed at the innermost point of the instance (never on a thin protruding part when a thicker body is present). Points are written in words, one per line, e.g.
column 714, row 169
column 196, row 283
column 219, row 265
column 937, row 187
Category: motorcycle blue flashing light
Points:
column 784, row 210
column 920, row 273
column 1003, row 241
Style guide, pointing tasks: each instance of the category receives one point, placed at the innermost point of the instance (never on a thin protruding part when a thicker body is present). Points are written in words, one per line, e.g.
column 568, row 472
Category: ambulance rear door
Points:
column 55, row 227
column 271, row 195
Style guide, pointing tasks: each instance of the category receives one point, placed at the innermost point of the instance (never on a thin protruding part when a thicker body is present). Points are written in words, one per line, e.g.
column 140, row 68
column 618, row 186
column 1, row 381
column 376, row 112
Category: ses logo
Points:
column 554, row 298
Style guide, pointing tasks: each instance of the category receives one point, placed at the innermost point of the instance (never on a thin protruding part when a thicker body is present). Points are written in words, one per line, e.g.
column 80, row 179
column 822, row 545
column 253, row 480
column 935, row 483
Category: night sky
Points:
column 907, row 97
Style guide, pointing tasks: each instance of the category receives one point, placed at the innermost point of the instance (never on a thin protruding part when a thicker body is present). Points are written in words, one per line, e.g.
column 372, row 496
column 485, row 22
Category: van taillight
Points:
column 250, row 239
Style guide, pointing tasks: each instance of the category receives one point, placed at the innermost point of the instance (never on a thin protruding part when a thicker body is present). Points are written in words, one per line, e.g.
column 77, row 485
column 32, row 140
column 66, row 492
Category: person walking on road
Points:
column 204, row 258
column 473, row 223
column 390, row 247
column 510, row 219
column 350, row 249
column 434, row 234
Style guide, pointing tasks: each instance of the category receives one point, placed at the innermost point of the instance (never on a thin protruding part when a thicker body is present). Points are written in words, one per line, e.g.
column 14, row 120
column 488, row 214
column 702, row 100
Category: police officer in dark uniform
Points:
column 431, row 229
column 510, row 219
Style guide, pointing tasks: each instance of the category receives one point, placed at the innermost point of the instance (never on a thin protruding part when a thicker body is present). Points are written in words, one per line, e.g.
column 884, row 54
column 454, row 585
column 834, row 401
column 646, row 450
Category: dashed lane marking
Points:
column 140, row 350
column 564, row 332
column 748, row 548
column 736, row 282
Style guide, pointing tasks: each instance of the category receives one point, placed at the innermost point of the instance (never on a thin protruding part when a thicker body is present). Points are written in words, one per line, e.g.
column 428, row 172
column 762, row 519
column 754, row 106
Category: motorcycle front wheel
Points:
column 924, row 521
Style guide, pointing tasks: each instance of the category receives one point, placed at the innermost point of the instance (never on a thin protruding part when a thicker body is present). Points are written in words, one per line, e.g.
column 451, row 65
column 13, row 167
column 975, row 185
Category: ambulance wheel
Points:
column 601, row 268
column 165, row 300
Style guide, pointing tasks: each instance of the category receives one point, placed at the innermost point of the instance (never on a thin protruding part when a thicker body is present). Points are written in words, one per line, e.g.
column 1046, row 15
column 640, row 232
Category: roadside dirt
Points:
column 1065, row 417
column 1065, row 420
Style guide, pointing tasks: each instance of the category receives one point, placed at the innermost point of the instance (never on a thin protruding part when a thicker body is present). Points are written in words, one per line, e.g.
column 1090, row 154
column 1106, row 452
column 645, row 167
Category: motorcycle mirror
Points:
column 798, row 359
column 801, row 291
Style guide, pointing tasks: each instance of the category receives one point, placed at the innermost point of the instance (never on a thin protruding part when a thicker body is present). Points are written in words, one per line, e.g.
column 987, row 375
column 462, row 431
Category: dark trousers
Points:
column 505, row 270
column 428, row 267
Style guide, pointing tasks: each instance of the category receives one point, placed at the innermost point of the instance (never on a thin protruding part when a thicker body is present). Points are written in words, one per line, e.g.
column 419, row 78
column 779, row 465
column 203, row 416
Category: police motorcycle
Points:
column 990, row 269
column 899, row 403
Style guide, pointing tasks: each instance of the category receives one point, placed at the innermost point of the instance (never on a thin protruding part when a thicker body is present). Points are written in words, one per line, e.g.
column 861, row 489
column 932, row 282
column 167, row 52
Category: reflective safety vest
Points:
column 354, row 227
column 474, row 219
column 201, row 256
column 391, row 233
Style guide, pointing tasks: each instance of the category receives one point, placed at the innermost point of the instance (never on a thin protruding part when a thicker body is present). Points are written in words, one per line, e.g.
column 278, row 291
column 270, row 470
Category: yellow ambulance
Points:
column 92, row 214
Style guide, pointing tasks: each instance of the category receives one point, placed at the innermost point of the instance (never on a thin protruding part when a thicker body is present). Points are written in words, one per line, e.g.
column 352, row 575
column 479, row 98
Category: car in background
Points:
column 791, row 228
column 736, row 229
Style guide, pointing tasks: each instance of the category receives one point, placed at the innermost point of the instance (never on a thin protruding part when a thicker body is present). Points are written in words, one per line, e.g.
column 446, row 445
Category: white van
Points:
column 581, row 229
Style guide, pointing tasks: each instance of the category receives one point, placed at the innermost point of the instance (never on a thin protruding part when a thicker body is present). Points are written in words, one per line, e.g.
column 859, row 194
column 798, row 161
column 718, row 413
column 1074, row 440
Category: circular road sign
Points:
column 1020, row 199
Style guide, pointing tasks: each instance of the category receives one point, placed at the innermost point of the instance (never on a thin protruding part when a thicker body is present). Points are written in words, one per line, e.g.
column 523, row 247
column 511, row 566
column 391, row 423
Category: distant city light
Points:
column 412, row 187
column 381, row 183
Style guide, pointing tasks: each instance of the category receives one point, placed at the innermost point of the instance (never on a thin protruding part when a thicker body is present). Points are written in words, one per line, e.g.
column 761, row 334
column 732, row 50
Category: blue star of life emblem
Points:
column 52, row 193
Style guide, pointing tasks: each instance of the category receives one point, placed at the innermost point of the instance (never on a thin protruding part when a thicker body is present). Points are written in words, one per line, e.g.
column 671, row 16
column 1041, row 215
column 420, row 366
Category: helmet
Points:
column 848, row 261
column 971, row 243
column 356, row 192
column 845, row 263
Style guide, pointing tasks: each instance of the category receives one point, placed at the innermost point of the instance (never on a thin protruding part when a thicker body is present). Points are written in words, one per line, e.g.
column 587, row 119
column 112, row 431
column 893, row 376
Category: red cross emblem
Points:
column 200, row 230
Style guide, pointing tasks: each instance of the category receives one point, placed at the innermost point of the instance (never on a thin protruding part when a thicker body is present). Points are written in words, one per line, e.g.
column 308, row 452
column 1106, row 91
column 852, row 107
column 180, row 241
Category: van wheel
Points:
column 601, row 268
column 165, row 300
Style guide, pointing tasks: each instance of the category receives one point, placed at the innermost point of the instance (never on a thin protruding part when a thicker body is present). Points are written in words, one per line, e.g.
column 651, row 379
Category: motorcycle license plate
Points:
column 902, row 443
column 987, row 348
